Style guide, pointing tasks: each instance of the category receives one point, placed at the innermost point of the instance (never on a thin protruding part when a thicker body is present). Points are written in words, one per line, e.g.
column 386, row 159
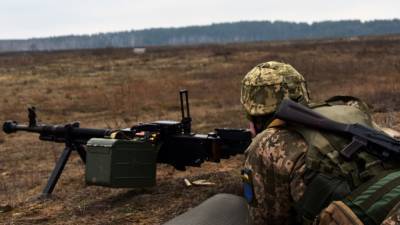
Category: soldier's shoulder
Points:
column 278, row 137
column 277, row 149
column 278, row 134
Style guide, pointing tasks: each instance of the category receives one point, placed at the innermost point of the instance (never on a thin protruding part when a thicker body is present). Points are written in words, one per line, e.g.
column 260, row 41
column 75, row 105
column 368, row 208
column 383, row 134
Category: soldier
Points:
column 276, row 155
column 292, row 173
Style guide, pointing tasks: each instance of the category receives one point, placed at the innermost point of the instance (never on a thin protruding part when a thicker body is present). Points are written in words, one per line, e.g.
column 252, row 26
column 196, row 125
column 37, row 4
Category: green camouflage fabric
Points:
column 277, row 159
column 264, row 87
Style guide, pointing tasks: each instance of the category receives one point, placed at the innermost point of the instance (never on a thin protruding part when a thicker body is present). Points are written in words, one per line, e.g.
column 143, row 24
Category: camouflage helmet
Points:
column 264, row 87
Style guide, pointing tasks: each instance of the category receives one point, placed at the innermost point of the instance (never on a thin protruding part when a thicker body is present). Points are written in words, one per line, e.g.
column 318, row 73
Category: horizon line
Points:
column 192, row 25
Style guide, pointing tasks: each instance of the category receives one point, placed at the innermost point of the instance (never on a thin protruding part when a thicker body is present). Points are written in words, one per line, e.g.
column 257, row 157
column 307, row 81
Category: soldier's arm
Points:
column 276, row 158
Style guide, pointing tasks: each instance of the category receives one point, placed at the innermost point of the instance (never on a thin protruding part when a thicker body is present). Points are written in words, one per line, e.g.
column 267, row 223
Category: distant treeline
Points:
column 216, row 33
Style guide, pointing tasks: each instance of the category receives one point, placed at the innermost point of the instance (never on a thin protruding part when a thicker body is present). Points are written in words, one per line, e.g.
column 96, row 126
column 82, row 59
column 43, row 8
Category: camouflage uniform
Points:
column 277, row 159
column 276, row 155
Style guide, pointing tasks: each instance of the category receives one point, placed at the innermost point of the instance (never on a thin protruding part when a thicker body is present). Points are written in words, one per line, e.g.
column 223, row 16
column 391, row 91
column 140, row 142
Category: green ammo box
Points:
column 121, row 163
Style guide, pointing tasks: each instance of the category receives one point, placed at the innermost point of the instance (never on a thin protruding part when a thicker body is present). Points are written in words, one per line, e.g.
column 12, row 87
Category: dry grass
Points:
column 116, row 88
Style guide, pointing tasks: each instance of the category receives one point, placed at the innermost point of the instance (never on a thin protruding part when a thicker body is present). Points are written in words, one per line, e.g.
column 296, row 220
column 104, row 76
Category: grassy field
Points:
column 115, row 88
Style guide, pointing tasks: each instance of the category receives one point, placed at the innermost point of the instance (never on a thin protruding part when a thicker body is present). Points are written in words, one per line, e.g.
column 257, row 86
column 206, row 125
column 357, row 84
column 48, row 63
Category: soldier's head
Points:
column 265, row 86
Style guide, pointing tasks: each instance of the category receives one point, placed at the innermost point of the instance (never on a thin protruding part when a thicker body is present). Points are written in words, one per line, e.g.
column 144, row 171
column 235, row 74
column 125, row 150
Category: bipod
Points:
column 70, row 146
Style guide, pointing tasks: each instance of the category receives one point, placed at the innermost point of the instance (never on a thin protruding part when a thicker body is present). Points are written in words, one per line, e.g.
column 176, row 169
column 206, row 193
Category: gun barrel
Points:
column 58, row 133
column 12, row 127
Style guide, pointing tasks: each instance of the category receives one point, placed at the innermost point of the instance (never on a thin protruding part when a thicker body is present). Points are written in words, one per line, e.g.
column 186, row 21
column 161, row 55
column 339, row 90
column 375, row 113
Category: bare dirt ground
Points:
column 116, row 88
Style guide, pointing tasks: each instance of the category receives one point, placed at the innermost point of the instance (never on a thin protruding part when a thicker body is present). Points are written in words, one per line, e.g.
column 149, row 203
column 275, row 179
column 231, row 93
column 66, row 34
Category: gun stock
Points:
column 373, row 141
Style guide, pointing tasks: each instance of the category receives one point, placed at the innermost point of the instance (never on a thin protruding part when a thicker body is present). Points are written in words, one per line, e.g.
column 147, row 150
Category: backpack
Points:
column 369, row 204
column 331, row 179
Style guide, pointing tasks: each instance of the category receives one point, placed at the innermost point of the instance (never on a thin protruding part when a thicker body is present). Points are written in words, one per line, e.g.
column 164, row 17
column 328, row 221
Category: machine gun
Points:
column 362, row 137
column 173, row 141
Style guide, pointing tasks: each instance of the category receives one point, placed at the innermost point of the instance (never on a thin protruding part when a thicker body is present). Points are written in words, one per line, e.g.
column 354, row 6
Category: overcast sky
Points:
column 41, row 18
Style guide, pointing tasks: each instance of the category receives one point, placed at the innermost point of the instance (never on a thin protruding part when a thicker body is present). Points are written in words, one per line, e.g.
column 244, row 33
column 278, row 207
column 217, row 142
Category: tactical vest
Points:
column 328, row 176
